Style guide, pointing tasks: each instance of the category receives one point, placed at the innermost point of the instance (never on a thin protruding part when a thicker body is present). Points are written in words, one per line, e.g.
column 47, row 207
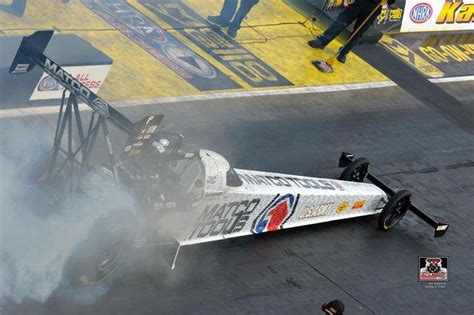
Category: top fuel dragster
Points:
column 196, row 189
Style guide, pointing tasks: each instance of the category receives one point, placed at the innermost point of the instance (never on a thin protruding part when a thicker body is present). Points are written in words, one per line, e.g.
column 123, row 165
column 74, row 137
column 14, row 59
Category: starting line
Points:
column 45, row 110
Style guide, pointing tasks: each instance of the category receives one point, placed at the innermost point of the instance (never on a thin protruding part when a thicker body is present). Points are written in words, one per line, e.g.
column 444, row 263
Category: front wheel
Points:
column 357, row 171
column 395, row 209
column 100, row 255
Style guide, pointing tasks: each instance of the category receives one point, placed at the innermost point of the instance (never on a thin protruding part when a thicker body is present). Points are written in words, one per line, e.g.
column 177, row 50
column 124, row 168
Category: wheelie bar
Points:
column 440, row 228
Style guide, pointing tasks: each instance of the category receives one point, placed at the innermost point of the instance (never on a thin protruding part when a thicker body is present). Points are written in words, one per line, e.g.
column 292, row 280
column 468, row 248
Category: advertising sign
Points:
column 90, row 76
column 438, row 15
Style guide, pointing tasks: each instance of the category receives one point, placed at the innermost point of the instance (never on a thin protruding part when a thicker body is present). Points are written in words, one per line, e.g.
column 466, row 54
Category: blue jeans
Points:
column 233, row 18
column 357, row 11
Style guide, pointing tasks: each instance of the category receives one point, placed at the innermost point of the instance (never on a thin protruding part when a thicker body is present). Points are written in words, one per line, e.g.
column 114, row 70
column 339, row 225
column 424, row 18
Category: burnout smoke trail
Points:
column 36, row 239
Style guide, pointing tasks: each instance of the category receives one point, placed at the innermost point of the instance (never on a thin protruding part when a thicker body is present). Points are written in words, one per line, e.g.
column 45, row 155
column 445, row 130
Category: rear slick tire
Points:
column 102, row 253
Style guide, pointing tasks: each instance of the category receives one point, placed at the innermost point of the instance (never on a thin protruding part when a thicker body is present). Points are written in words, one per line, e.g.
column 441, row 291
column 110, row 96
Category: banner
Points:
column 90, row 76
column 438, row 15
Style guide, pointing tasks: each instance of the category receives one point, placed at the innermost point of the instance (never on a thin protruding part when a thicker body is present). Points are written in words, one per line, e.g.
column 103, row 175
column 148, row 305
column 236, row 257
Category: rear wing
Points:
column 30, row 54
column 440, row 228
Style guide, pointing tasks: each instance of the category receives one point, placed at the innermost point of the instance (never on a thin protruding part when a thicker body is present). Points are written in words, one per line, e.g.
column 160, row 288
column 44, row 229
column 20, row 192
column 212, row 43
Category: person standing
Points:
column 335, row 307
column 232, row 17
column 358, row 11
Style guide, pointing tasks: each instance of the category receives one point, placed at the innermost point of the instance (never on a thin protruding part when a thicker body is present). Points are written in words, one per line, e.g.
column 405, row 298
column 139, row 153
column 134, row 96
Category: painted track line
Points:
column 44, row 110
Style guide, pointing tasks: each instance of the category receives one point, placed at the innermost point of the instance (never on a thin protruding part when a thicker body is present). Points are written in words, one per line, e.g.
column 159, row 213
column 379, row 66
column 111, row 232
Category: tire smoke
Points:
column 37, row 236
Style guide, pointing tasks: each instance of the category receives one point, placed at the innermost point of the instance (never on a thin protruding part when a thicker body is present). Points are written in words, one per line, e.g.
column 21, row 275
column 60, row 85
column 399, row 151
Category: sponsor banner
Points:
column 216, row 43
column 161, row 44
column 389, row 19
column 433, row 269
column 91, row 77
column 438, row 15
column 451, row 54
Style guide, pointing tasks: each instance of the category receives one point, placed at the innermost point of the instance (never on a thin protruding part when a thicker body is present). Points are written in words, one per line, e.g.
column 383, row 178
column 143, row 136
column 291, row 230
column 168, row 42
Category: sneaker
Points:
column 216, row 19
column 317, row 43
column 341, row 58
column 232, row 31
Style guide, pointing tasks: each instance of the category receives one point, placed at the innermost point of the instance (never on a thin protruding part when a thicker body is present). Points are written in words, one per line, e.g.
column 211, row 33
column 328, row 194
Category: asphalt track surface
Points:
column 373, row 272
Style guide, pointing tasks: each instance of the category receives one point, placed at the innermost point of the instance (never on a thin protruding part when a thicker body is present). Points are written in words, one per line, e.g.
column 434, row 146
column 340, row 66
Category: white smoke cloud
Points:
column 37, row 238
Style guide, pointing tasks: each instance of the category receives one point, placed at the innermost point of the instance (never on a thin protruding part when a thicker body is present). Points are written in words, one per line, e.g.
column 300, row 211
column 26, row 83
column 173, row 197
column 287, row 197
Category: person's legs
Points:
column 227, row 12
column 345, row 18
column 360, row 19
column 244, row 9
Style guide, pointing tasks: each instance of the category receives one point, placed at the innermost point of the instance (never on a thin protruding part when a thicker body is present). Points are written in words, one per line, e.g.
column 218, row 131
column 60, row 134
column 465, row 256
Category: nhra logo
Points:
column 275, row 214
column 421, row 13
column 48, row 84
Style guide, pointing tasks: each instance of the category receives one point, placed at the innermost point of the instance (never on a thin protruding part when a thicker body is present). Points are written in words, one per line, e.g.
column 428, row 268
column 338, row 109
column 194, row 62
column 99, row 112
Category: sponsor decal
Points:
column 338, row 185
column 433, row 269
column 159, row 43
column 275, row 214
column 311, row 211
column 390, row 16
column 212, row 179
column 164, row 142
column 100, row 106
column 359, row 204
column 343, row 206
column 158, row 146
column 66, row 79
column 421, row 13
column 223, row 218
column 49, row 84
column 288, row 181
column 21, row 68
column 216, row 43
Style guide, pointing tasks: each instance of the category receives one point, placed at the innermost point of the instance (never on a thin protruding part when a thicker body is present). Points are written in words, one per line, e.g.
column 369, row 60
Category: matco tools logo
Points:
column 421, row 13
column 67, row 79
column 275, row 214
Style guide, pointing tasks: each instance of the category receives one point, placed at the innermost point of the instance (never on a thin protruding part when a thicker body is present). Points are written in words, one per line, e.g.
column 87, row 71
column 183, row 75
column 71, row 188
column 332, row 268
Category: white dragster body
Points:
column 194, row 196
column 265, row 202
